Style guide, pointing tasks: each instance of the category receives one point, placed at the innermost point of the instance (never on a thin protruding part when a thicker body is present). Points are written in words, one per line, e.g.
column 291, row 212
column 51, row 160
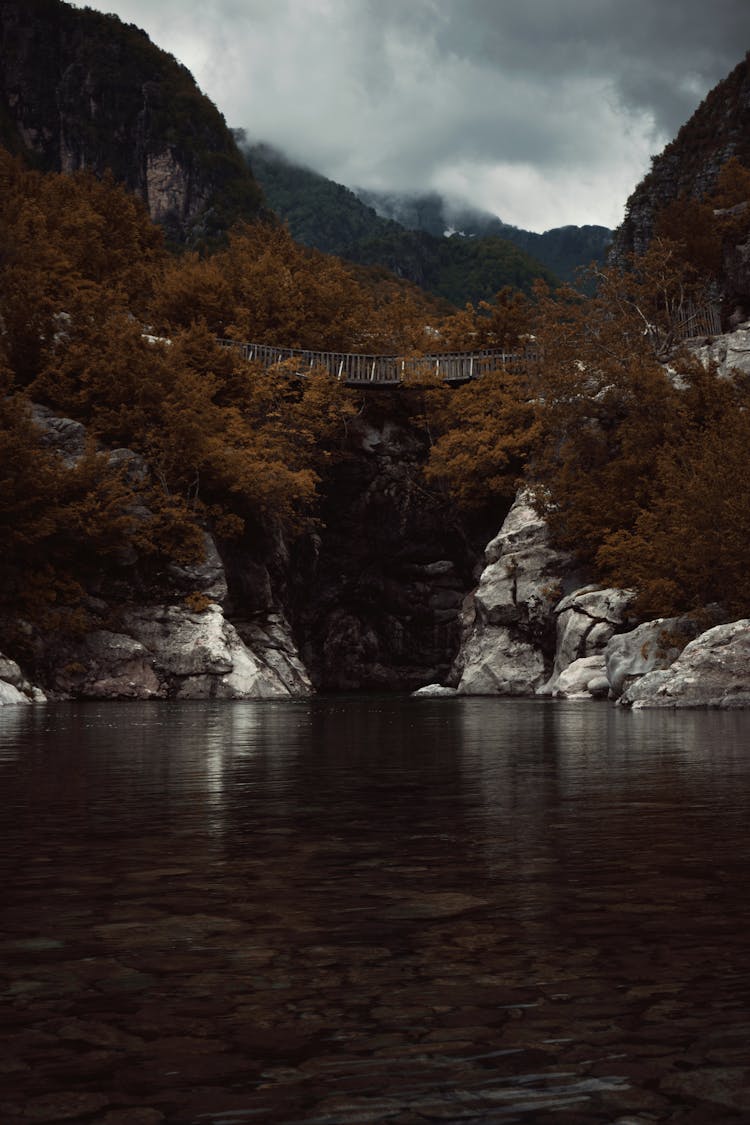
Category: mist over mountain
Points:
column 563, row 250
column 448, row 247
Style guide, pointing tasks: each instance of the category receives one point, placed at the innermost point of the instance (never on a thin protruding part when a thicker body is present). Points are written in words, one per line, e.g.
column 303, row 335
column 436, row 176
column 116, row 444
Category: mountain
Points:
column 330, row 217
column 563, row 250
column 79, row 89
column 690, row 164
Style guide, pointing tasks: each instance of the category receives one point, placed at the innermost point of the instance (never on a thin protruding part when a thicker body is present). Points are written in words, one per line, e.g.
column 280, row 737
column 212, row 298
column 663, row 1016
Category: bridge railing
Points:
column 388, row 370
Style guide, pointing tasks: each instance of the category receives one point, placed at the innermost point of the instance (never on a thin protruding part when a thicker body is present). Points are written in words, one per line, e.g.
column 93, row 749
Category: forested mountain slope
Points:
column 330, row 217
column 79, row 89
column 690, row 164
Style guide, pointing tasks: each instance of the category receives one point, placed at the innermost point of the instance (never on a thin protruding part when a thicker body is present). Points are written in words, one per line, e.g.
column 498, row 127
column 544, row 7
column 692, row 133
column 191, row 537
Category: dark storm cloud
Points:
column 544, row 111
column 655, row 53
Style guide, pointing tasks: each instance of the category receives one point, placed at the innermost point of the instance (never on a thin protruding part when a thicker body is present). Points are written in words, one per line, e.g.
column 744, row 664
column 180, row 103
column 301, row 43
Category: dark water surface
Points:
column 374, row 909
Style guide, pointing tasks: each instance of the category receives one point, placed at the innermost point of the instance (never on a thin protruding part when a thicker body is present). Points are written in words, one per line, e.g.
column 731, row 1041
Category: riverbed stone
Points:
column 721, row 1086
column 582, row 679
column 64, row 1105
column 712, row 671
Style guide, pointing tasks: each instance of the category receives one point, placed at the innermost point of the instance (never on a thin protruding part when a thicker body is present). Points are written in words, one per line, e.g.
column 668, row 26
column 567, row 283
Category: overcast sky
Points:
column 544, row 112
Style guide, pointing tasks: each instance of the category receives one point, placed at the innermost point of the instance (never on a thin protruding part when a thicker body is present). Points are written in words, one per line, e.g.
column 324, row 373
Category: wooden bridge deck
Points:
column 387, row 370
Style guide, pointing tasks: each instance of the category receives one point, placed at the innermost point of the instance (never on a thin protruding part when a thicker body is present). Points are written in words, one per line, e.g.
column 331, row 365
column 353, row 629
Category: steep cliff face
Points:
column 378, row 597
column 82, row 90
column 690, row 164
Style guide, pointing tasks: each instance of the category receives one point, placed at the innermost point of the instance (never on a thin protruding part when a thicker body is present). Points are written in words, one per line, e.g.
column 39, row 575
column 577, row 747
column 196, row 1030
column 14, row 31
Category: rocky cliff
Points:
column 520, row 638
column 369, row 600
column 185, row 636
column 690, row 164
column 82, row 90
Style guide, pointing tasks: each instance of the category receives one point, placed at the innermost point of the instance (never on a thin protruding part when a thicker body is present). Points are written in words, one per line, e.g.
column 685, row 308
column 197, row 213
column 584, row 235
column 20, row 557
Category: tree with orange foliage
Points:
column 285, row 294
column 501, row 324
column 486, row 430
column 690, row 546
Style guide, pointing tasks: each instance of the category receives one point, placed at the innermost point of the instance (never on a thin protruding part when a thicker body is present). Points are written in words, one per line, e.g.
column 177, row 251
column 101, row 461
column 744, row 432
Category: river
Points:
column 371, row 909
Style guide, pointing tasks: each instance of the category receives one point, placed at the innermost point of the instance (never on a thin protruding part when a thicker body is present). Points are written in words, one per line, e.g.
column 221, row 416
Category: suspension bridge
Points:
column 356, row 370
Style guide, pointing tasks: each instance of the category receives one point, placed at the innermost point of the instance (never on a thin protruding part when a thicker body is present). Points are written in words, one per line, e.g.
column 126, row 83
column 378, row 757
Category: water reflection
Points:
column 375, row 909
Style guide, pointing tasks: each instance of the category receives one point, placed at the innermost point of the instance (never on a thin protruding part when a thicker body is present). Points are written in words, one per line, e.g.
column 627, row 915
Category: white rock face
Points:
column 522, row 579
column 434, row 691
column 202, row 656
column 586, row 619
column 650, row 647
column 712, row 671
column 497, row 663
column 503, row 619
column 117, row 666
column 11, row 695
column 169, row 189
column 168, row 651
column 14, row 687
column 729, row 351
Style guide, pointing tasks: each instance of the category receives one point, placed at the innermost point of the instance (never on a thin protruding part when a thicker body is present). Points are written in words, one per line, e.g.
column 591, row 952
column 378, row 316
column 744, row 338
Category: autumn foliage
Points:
column 82, row 270
column 636, row 463
column 638, row 472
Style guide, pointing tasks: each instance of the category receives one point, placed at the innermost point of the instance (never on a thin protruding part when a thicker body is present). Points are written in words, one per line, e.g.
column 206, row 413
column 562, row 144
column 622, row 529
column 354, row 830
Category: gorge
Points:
column 185, row 524
column 395, row 590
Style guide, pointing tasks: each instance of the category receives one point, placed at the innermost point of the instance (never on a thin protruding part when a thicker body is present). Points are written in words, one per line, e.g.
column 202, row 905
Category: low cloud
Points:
column 543, row 112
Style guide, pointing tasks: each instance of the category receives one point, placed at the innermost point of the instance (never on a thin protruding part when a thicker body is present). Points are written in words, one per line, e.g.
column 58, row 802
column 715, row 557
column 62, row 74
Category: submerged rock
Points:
column 712, row 671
